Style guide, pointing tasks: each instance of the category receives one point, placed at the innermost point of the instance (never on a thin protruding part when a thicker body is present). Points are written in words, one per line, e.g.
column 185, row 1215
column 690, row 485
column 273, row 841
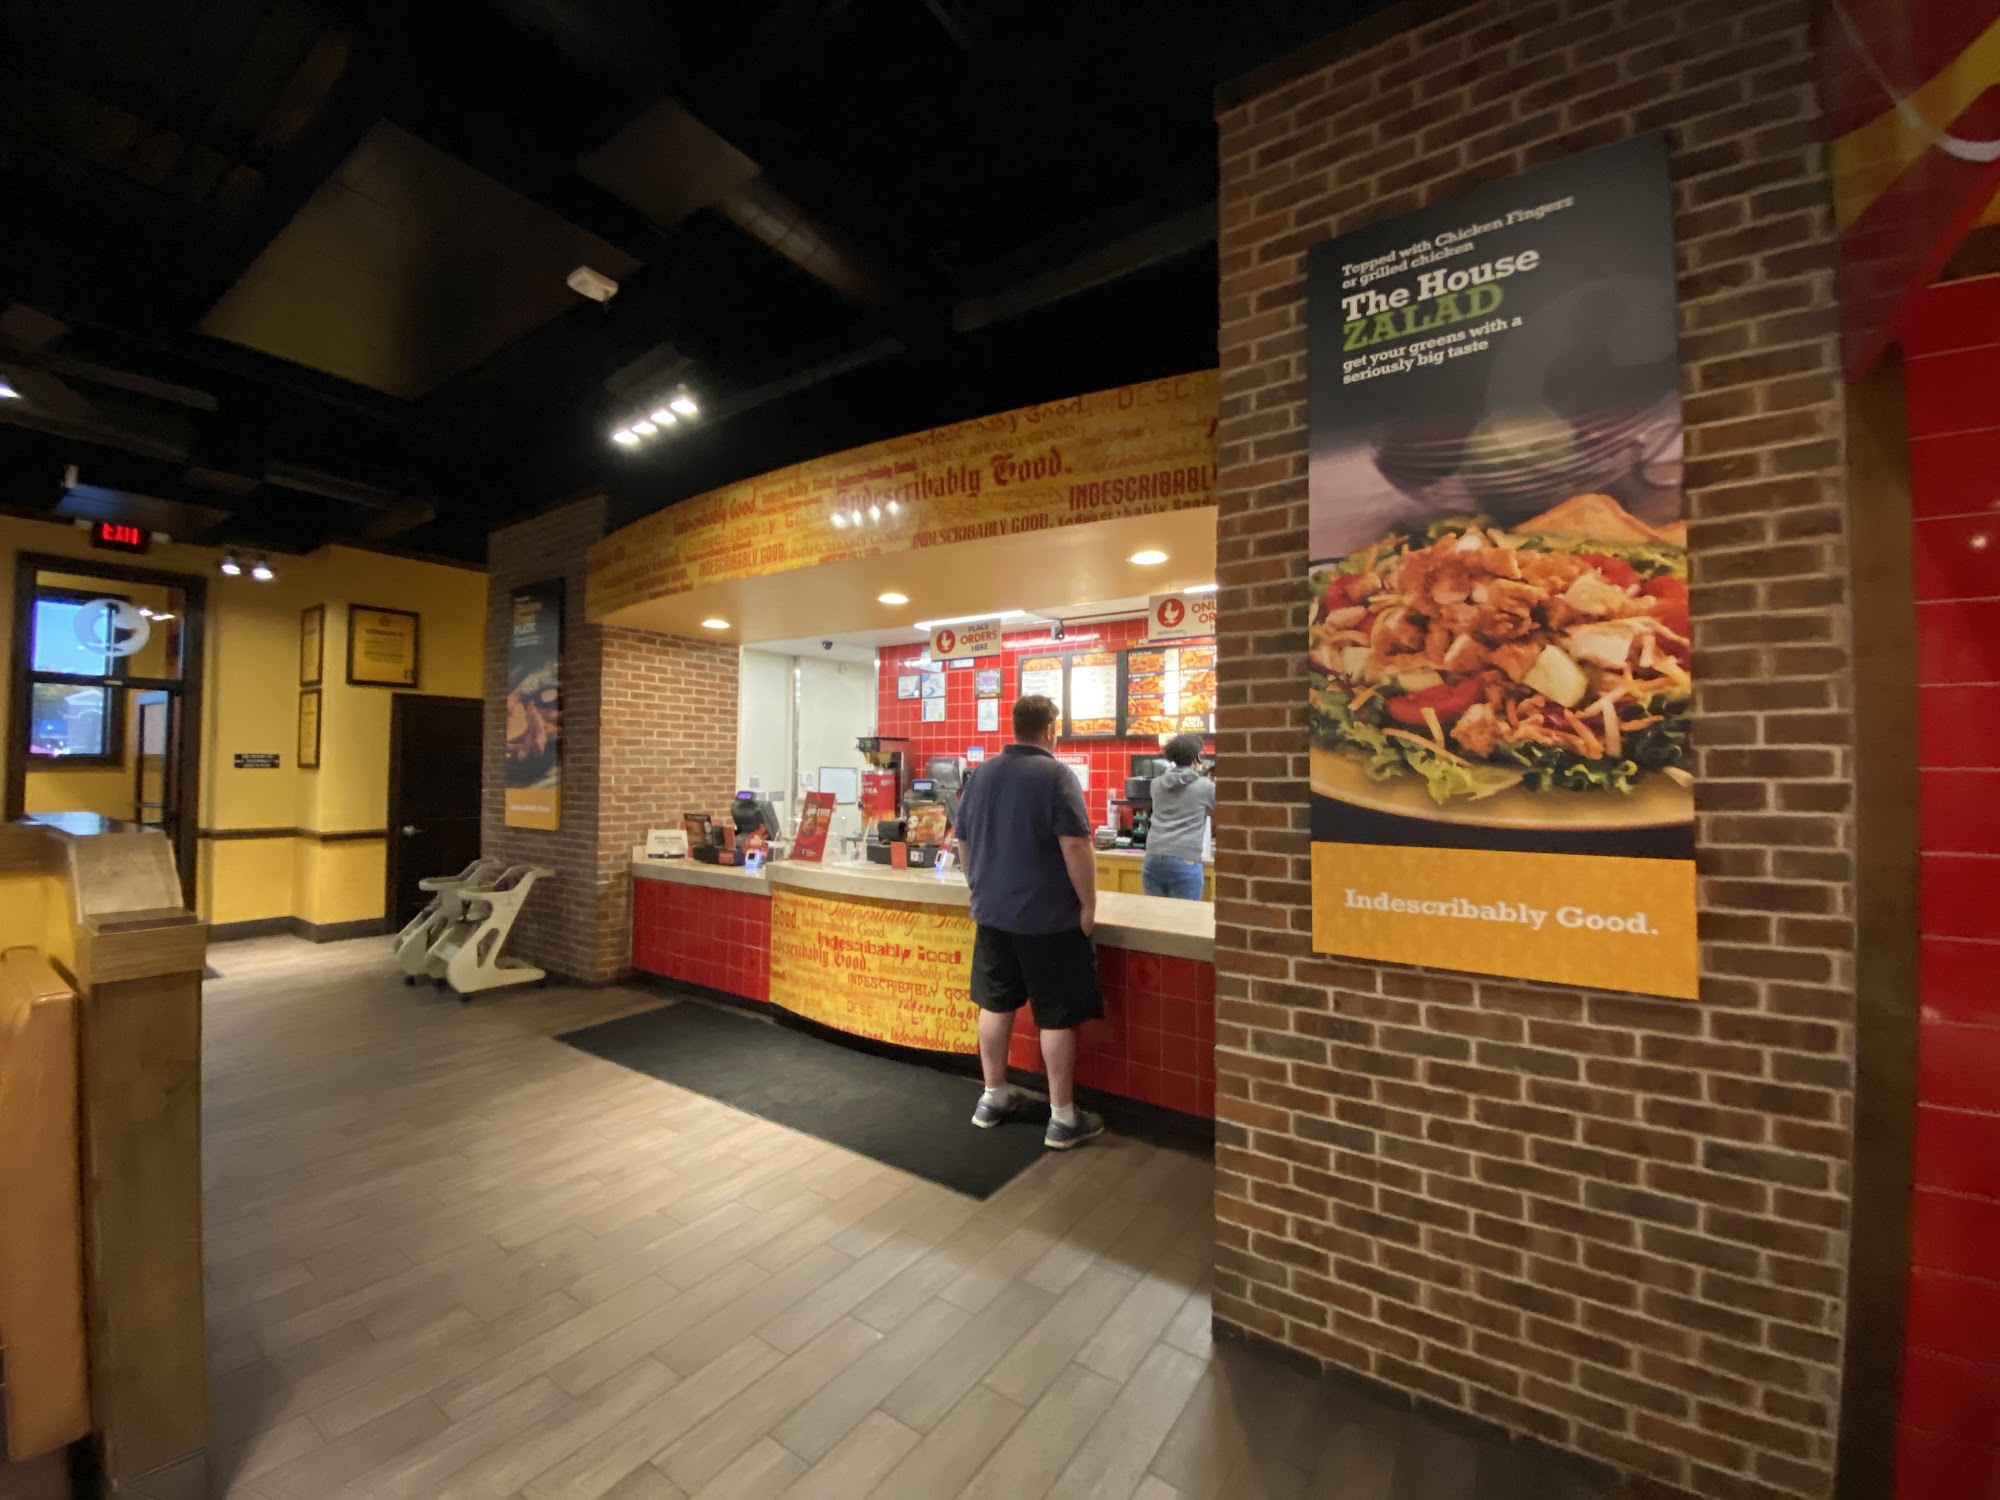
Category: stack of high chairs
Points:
column 475, row 915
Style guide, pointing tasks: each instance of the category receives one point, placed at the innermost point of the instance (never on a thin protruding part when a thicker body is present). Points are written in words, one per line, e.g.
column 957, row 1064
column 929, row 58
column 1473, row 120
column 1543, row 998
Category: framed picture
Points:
column 933, row 710
column 907, row 684
column 383, row 647
column 309, row 730
column 312, row 645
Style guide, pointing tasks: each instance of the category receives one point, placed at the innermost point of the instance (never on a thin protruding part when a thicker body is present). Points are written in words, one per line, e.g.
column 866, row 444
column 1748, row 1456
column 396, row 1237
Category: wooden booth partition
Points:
column 101, row 904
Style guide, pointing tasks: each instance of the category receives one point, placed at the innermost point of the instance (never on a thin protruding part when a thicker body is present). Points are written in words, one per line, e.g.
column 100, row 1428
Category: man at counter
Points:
column 1024, row 838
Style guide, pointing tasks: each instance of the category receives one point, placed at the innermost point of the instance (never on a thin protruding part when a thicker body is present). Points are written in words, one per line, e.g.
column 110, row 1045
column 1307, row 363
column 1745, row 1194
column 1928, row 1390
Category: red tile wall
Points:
column 704, row 935
column 902, row 718
column 1950, row 1437
column 1156, row 1042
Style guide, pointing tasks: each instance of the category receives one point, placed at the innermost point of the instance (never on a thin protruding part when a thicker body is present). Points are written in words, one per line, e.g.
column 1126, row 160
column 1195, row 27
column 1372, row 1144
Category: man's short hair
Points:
column 1032, row 717
column 1183, row 749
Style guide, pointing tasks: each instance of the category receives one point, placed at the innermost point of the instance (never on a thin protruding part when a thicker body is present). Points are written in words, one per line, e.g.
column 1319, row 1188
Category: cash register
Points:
column 753, row 827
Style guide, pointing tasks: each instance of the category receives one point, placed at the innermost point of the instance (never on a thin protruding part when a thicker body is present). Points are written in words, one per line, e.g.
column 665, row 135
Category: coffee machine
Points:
column 885, row 782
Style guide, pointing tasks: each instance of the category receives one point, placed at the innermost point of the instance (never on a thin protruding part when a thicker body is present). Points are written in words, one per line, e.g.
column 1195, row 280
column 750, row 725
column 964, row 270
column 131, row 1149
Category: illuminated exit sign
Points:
column 117, row 536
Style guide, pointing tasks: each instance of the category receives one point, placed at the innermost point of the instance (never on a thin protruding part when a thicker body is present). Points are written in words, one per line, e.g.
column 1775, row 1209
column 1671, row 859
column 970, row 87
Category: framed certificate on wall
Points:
column 309, row 730
column 312, row 645
column 383, row 647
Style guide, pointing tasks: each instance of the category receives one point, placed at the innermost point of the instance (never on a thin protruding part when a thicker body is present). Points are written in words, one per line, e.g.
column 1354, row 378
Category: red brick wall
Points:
column 649, row 728
column 1950, row 1438
column 1616, row 1223
column 1110, row 760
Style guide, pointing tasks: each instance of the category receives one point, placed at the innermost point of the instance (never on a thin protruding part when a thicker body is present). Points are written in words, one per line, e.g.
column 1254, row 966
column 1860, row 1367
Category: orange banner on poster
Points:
column 1585, row 919
column 1132, row 451
column 882, row 970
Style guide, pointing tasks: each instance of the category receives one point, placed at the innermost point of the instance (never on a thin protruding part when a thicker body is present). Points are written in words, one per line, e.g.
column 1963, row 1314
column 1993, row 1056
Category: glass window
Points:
column 60, row 647
column 68, row 720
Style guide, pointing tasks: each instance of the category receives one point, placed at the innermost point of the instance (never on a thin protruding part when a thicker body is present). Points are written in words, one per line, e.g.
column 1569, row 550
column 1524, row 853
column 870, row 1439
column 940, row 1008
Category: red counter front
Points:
column 1156, row 1043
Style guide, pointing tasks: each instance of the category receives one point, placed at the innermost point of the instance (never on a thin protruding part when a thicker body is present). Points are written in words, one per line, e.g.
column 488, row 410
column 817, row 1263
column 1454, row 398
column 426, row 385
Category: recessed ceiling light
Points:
column 1149, row 558
column 840, row 520
column 625, row 437
column 684, row 404
column 645, row 428
column 714, row 623
column 665, row 418
column 892, row 598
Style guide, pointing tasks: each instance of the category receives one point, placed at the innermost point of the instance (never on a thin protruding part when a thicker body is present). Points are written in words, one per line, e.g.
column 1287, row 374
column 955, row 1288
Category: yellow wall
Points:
column 251, row 704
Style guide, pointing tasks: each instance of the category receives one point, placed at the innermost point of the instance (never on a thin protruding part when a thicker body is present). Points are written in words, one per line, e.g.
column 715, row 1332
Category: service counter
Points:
column 886, row 955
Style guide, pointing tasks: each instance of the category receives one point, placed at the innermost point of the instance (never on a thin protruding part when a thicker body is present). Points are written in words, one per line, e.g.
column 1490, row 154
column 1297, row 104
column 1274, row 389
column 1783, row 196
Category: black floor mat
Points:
column 901, row 1114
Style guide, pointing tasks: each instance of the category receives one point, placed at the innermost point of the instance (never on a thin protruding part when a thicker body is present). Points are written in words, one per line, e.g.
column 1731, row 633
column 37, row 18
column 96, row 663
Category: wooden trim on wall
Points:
column 1887, row 838
column 318, row 836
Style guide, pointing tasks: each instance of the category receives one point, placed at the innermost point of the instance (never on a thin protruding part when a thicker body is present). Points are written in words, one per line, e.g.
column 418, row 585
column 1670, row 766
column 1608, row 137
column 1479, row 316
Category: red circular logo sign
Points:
column 946, row 641
column 1172, row 612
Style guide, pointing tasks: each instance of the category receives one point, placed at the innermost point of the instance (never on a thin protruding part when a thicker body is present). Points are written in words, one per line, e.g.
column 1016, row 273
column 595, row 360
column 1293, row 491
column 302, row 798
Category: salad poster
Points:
column 1499, row 642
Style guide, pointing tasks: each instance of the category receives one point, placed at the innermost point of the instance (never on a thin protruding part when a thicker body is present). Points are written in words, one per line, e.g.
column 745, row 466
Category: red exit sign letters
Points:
column 117, row 536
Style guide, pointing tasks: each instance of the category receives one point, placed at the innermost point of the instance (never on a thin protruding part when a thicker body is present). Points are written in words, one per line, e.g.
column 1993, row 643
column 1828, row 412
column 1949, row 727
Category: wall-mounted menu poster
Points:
column 1093, row 695
column 1042, row 677
column 1499, row 643
column 1170, row 690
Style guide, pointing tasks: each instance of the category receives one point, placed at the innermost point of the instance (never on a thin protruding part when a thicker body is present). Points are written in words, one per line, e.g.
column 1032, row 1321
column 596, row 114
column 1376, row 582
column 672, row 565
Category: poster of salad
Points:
column 1499, row 641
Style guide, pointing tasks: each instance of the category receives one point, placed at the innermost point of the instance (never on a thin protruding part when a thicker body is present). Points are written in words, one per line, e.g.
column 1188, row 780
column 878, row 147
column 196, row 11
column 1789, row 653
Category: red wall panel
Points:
column 1110, row 760
column 1950, row 1440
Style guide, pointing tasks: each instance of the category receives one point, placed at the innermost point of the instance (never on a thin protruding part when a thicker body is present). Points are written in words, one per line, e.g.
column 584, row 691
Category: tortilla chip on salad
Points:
column 1674, row 533
column 1598, row 517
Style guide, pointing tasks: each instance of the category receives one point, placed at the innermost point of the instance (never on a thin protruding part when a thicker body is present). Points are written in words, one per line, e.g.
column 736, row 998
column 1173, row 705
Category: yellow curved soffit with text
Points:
column 1132, row 451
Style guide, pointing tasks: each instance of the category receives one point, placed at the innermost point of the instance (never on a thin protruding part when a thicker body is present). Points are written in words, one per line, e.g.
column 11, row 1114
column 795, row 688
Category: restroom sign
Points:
column 1169, row 617
column 956, row 642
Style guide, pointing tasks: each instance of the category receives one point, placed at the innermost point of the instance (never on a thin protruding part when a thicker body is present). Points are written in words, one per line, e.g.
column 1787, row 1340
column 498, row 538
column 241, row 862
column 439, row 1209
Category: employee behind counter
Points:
column 1183, row 806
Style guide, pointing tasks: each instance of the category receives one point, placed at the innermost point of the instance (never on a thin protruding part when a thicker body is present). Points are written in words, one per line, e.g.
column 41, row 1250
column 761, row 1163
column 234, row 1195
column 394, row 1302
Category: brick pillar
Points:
column 649, row 730
column 1616, row 1223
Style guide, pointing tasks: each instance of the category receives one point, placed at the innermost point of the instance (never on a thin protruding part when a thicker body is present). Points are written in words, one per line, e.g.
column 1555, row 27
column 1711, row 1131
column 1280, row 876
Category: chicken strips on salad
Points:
column 1552, row 656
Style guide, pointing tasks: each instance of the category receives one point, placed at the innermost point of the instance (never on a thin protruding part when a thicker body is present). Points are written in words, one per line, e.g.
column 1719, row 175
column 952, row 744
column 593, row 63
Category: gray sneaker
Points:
column 1062, row 1137
column 986, row 1116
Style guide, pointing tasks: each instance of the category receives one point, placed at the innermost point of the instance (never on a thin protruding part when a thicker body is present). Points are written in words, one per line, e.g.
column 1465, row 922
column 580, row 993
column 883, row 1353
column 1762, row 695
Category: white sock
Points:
column 997, row 1096
column 1063, row 1114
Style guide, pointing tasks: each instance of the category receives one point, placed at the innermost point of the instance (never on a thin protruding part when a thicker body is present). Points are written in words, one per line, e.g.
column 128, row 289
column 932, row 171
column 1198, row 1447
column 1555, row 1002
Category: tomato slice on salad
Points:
column 1342, row 591
column 1615, row 570
column 1447, row 699
column 1671, row 610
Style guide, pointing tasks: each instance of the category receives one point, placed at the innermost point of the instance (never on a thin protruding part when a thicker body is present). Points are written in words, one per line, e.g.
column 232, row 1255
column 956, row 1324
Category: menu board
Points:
column 1093, row 695
column 1042, row 677
column 1170, row 690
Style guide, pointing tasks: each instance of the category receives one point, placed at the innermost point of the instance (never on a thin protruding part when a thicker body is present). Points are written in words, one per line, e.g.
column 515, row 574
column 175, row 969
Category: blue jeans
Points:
column 1164, row 875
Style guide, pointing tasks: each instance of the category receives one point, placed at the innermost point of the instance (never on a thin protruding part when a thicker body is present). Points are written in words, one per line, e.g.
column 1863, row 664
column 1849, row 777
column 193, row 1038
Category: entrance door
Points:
column 106, row 684
column 434, row 754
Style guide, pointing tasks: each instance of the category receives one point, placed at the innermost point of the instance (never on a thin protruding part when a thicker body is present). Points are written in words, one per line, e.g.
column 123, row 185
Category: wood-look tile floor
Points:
column 448, row 1256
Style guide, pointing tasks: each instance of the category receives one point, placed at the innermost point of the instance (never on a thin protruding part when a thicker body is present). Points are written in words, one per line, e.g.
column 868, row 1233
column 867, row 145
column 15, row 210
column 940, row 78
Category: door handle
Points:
column 410, row 830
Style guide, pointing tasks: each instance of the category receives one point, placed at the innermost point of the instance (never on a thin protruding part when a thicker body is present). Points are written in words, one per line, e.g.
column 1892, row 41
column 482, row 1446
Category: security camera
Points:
column 1056, row 631
column 826, row 645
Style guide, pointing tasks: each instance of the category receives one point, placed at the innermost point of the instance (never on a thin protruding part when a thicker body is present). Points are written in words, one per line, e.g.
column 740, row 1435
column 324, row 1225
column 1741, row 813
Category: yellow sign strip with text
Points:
column 876, row 969
column 1133, row 451
column 1606, row 922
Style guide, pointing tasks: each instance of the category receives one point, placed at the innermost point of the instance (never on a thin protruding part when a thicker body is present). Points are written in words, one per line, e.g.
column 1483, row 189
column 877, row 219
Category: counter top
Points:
column 1144, row 924
column 691, row 872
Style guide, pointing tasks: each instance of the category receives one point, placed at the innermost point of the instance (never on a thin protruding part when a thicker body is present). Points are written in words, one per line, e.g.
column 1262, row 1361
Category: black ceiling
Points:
column 298, row 267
